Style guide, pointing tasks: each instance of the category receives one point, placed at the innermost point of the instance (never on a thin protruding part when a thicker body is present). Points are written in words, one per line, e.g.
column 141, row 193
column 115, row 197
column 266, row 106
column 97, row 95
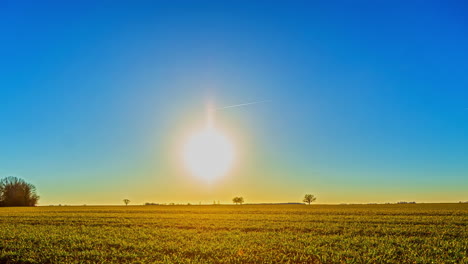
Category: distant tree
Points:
column 16, row 192
column 238, row 200
column 126, row 201
column 309, row 198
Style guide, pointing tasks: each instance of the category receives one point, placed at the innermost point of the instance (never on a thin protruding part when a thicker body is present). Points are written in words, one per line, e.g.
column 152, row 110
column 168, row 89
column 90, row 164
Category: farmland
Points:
column 397, row 233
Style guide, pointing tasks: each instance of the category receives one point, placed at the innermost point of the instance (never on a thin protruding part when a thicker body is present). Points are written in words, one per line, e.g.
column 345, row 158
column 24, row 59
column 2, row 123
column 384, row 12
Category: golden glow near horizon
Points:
column 208, row 153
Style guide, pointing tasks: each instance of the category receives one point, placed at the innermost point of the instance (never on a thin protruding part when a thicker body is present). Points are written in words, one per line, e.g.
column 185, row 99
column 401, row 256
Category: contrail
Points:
column 245, row 104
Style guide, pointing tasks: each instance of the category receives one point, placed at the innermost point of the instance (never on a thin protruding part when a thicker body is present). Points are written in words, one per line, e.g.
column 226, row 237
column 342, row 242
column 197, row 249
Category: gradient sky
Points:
column 368, row 100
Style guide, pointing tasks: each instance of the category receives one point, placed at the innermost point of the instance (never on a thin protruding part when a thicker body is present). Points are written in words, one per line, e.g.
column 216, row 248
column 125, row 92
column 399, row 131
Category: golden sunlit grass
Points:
column 418, row 233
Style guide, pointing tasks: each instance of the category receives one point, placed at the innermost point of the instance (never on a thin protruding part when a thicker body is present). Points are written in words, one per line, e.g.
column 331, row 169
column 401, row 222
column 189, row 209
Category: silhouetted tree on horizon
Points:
column 309, row 198
column 126, row 201
column 238, row 200
column 17, row 192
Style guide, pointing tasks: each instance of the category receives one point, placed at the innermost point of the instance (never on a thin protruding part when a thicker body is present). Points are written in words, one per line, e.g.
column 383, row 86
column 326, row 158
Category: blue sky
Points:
column 368, row 100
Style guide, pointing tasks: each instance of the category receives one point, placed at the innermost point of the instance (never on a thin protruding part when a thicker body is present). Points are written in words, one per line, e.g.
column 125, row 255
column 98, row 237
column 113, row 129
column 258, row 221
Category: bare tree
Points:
column 238, row 200
column 309, row 198
column 17, row 192
column 126, row 201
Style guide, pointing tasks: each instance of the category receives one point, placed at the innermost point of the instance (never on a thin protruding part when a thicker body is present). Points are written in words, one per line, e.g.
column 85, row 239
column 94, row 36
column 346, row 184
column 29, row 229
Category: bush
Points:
column 17, row 192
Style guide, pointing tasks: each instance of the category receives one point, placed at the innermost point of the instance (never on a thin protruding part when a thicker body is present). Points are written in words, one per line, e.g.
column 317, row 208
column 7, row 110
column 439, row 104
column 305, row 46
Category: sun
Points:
column 208, row 153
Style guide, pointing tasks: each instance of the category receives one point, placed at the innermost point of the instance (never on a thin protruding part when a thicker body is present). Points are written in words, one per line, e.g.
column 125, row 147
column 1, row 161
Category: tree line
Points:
column 17, row 192
column 308, row 198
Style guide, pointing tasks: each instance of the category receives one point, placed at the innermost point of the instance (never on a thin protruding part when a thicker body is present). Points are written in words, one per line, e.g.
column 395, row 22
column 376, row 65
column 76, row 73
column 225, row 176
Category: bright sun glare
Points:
column 208, row 154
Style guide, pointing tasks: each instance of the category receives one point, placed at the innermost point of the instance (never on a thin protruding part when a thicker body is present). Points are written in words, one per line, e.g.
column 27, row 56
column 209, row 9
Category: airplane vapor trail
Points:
column 245, row 104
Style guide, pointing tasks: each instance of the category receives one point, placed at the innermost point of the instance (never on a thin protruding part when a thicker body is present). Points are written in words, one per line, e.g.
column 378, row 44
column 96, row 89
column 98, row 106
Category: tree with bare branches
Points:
column 238, row 200
column 309, row 198
column 17, row 192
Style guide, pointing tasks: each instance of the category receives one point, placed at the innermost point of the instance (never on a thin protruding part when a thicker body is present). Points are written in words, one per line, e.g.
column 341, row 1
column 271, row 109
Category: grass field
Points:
column 406, row 233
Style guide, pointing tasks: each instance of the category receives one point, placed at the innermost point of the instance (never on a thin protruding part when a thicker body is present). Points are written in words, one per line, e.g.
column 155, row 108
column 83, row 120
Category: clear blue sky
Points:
column 368, row 99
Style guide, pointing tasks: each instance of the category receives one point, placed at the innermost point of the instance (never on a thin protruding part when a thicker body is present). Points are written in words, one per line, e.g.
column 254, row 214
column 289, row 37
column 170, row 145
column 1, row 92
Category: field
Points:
column 399, row 233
